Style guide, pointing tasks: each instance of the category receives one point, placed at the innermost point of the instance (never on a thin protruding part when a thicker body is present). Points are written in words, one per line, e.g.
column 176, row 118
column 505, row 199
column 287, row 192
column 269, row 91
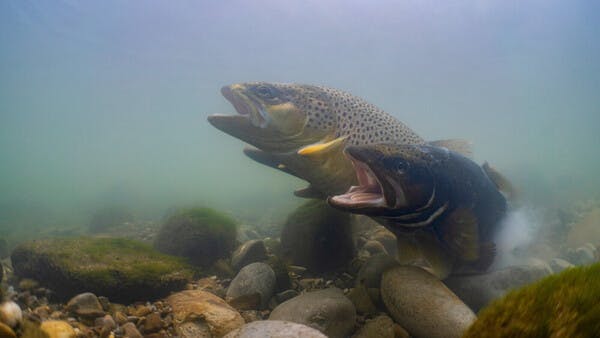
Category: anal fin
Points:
column 487, row 254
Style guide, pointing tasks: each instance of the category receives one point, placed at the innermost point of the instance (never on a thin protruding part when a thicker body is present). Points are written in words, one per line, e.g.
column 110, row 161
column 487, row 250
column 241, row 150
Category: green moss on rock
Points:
column 121, row 269
column 563, row 305
column 202, row 235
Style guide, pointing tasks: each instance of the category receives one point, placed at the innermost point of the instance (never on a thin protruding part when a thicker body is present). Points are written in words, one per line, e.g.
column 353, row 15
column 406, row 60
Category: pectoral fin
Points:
column 440, row 261
column 460, row 146
column 323, row 148
column 309, row 192
column 423, row 249
column 460, row 232
column 408, row 250
column 289, row 163
column 273, row 160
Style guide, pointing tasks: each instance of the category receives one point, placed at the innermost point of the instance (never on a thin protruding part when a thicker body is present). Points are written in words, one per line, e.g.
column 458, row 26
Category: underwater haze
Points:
column 105, row 103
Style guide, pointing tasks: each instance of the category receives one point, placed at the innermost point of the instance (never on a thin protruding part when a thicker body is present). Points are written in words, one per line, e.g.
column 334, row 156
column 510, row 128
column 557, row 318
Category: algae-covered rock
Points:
column 562, row 305
column 202, row 235
column 120, row 269
column 318, row 237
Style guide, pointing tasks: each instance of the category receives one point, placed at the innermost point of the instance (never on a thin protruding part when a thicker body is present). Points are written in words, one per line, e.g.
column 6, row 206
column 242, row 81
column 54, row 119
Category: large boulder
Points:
column 202, row 235
column 318, row 237
column 327, row 310
column 120, row 269
column 561, row 305
column 423, row 305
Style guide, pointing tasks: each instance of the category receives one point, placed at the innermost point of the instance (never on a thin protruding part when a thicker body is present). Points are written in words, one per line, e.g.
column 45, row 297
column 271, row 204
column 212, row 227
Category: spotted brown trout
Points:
column 303, row 129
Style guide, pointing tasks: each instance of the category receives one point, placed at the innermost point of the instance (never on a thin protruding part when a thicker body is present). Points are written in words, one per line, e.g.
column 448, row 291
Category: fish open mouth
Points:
column 245, row 106
column 237, row 101
column 368, row 193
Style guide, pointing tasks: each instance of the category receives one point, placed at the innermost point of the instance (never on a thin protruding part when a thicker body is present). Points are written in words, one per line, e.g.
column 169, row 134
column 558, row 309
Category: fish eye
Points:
column 265, row 92
column 401, row 167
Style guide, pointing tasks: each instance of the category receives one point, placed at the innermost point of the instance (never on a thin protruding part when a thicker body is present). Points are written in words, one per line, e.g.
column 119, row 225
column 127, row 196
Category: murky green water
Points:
column 105, row 103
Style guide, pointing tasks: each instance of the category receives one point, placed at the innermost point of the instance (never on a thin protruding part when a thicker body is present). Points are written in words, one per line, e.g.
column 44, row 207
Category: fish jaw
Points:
column 245, row 106
column 272, row 124
column 374, row 192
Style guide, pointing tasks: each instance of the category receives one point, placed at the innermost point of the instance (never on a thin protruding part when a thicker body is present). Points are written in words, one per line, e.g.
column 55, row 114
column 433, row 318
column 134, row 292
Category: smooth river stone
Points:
column 423, row 305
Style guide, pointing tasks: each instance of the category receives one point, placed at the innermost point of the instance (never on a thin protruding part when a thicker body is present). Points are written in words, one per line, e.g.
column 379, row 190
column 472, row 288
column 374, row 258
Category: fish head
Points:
column 391, row 178
column 276, row 117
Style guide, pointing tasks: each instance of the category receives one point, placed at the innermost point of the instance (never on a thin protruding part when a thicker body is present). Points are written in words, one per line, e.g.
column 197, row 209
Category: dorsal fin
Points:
column 501, row 182
column 460, row 146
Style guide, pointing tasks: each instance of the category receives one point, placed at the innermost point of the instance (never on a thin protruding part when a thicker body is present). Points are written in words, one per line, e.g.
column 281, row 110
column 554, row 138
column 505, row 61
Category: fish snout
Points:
column 227, row 93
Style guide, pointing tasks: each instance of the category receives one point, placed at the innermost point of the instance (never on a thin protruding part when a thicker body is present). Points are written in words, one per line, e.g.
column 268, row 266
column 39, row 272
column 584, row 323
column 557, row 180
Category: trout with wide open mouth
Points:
column 443, row 208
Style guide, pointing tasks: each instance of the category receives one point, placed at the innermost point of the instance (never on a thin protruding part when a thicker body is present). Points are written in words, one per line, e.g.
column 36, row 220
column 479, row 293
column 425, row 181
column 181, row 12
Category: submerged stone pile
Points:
column 106, row 287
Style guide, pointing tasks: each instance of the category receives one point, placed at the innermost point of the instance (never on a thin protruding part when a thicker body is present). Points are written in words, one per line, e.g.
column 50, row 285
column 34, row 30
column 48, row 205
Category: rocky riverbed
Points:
column 98, row 286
